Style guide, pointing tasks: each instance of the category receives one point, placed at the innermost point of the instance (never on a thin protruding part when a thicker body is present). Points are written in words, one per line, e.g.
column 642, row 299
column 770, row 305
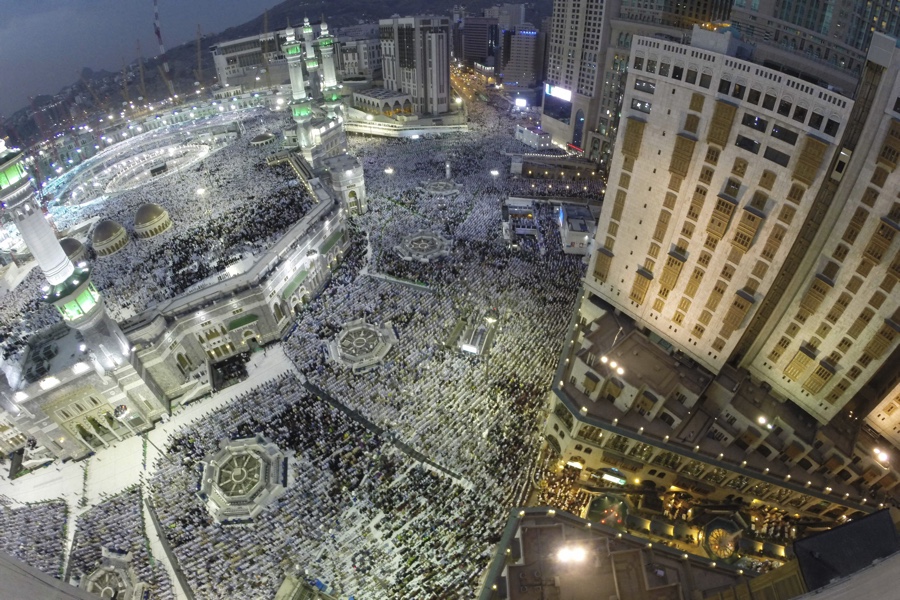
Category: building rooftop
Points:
column 546, row 553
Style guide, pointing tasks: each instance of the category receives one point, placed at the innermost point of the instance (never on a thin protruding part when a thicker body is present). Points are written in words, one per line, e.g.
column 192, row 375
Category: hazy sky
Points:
column 45, row 43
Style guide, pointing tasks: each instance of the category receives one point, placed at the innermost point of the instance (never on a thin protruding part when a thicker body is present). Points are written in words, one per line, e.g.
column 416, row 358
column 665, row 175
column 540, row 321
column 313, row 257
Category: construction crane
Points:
column 198, row 72
column 265, row 48
column 140, row 58
column 164, row 68
column 97, row 102
column 125, row 95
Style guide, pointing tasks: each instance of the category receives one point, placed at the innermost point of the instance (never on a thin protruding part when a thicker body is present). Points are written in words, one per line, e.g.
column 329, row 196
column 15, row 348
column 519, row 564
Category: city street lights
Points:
column 612, row 365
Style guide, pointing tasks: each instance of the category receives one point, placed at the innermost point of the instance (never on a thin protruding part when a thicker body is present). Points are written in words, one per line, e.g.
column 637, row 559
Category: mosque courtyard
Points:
column 403, row 454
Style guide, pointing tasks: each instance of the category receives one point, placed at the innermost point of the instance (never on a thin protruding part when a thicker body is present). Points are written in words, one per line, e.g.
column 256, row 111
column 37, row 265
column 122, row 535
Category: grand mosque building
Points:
column 88, row 381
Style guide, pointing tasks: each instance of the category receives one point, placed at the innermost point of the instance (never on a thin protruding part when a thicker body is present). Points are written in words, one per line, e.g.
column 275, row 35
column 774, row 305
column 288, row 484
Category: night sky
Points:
column 44, row 44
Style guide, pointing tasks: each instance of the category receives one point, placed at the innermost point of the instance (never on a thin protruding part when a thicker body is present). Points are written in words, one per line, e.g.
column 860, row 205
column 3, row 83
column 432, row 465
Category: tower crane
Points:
column 140, row 58
column 198, row 72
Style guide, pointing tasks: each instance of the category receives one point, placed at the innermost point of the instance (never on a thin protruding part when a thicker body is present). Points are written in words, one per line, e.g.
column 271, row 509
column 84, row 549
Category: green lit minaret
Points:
column 69, row 287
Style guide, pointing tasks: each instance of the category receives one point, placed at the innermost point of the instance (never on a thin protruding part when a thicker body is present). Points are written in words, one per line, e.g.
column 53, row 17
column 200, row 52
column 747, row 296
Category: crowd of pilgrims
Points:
column 117, row 525
column 35, row 534
column 359, row 514
column 239, row 214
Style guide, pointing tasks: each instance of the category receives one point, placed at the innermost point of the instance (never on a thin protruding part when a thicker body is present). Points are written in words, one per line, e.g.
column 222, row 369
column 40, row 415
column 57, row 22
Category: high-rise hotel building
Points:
column 742, row 295
column 415, row 60
column 743, row 223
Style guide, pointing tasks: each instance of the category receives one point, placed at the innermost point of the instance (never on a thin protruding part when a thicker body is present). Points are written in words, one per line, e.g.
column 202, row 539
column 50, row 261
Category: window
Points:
column 879, row 176
column 642, row 85
column 795, row 195
column 784, row 108
column 712, row 156
column 732, row 187
column 638, row 63
column 706, row 175
column 831, row 127
column 767, row 181
column 869, row 197
column 777, row 157
column 800, row 114
column 705, row 80
column 664, row 69
column 691, row 77
column 724, row 86
column 740, row 167
column 692, row 123
column 784, row 134
column 786, row 215
column 677, row 73
column 704, row 259
column 760, row 269
column 815, row 120
column 747, row 144
column 641, row 105
column 754, row 122
column 697, row 102
column 739, row 91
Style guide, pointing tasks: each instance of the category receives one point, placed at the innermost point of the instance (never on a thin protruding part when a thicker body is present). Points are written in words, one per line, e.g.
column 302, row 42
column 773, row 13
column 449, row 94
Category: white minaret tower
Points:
column 326, row 49
column 69, row 286
column 312, row 63
column 293, row 50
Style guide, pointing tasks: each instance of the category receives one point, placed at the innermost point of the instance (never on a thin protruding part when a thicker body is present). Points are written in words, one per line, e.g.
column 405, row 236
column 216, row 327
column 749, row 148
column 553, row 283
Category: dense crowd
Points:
column 359, row 514
column 35, row 534
column 356, row 512
column 117, row 524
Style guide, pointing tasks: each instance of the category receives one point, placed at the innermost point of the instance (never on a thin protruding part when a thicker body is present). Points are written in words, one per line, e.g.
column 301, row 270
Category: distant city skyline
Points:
column 44, row 44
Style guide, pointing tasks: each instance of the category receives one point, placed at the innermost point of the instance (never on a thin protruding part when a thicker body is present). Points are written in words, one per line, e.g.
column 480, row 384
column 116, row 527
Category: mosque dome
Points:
column 108, row 238
column 73, row 248
column 150, row 220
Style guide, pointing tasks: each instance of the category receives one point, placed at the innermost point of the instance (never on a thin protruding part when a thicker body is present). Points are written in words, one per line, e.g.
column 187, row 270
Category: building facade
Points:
column 735, row 148
column 416, row 60
column 523, row 56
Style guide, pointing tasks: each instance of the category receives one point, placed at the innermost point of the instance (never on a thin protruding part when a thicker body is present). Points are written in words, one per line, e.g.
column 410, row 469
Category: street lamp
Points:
column 612, row 365
column 571, row 554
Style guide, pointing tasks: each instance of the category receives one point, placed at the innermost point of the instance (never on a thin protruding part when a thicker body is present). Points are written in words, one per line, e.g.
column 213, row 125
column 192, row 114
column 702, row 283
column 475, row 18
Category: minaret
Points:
column 326, row 49
column 293, row 50
column 312, row 63
column 69, row 287
column 301, row 107
column 330, row 90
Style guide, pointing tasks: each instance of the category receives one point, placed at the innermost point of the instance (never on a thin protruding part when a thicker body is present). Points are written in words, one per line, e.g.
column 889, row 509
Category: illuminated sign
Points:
column 558, row 92
column 613, row 479
column 521, row 102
